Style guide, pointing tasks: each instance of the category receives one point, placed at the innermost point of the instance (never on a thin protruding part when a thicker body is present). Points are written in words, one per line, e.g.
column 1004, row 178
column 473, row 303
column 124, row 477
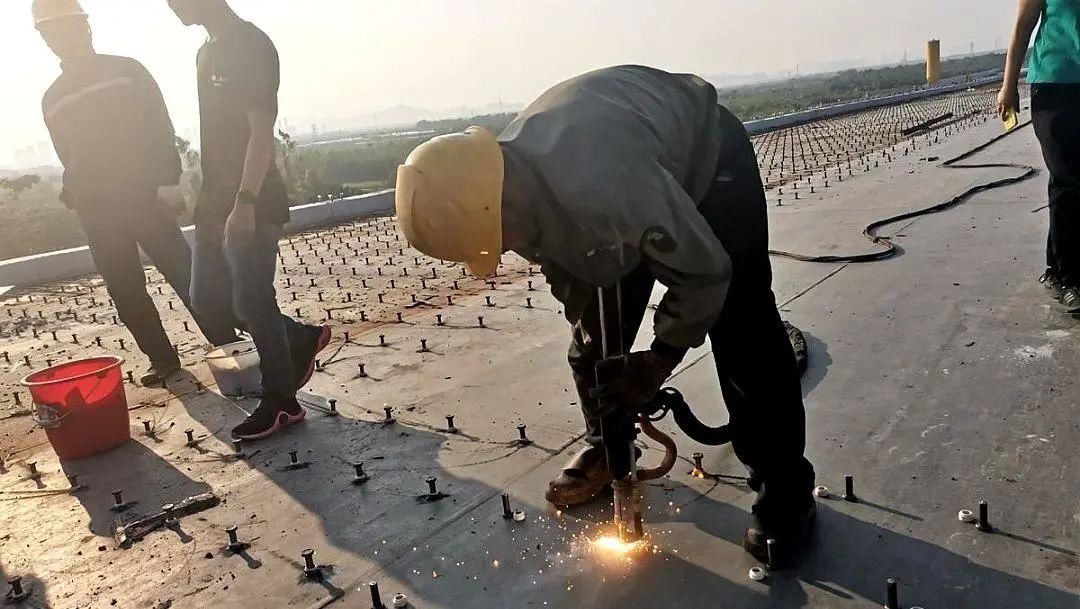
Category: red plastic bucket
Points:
column 82, row 406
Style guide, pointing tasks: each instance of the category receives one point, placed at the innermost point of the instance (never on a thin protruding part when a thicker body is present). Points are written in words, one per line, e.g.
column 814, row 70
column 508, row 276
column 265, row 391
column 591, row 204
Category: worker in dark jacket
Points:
column 628, row 176
column 112, row 132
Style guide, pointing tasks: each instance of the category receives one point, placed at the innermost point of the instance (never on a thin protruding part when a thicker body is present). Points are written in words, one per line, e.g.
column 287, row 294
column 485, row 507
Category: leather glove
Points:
column 644, row 377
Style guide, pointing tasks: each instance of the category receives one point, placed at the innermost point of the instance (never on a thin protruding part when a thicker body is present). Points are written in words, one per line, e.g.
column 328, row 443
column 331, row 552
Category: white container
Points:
column 235, row 368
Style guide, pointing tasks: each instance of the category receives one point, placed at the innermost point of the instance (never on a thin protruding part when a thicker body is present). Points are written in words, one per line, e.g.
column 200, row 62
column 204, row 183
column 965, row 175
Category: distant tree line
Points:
column 769, row 99
column 32, row 219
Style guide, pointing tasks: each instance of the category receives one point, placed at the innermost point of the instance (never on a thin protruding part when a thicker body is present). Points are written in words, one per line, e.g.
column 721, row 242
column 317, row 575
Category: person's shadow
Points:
column 145, row 480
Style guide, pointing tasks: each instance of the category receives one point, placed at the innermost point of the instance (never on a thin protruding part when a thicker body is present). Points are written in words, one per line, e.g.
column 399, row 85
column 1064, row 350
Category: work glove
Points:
column 644, row 376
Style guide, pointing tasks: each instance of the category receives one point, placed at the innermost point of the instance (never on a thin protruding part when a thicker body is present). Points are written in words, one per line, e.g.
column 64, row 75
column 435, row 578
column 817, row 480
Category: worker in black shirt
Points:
column 113, row 135
column 242, row 208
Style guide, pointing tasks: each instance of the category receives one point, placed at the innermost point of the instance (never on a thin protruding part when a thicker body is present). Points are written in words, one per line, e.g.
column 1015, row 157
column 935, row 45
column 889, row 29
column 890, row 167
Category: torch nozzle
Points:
column 628, row 511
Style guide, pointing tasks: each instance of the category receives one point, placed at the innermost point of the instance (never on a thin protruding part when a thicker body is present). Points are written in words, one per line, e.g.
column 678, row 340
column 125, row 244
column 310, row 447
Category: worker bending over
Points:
column 243, row 207
column 631, row 175
column 112, row 132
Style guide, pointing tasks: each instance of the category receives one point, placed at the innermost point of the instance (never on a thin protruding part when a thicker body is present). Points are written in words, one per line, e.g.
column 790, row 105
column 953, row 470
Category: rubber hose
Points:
column 691, row 425
column 870, row 232
column 671, row 452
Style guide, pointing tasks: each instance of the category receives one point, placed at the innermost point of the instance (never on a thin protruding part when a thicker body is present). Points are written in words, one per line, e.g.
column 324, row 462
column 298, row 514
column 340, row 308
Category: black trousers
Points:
column 755, row 362
column 115, row 238
column 1055, row 113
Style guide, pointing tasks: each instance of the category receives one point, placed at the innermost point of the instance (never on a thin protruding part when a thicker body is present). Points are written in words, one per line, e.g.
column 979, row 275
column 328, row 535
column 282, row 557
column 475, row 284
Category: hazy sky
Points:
column 348, row 58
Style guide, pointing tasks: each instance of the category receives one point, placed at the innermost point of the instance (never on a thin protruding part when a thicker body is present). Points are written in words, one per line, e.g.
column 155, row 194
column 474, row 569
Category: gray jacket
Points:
column 619, row 159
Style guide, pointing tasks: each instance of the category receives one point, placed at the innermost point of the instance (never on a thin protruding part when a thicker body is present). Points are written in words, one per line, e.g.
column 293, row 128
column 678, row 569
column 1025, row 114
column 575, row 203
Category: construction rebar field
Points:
column 938, row 379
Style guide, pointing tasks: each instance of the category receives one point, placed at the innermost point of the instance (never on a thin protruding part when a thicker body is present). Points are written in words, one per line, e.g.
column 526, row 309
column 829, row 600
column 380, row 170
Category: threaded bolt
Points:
column 190, row 433
column 438, row 320
column 984, row 518
column 118, row 498
column 389, row 418
column 698, row 467
column 892, row 594
column 234, row 539
column 376, row 598
column 310, row 569
column 361, row 476
column 293, row 459
column 432, row 489
column 423, row 345
column 363, row 372
column 450, row 424
column 481, row 321
column 521, row 433
column 507, row 512
column 528, row 303
column 849, row 489
column 382, row 340
column 16, row 588
column 333, row 406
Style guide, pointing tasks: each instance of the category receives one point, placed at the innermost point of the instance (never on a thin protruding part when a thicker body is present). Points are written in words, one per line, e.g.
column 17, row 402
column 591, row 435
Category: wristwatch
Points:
column 244, row 197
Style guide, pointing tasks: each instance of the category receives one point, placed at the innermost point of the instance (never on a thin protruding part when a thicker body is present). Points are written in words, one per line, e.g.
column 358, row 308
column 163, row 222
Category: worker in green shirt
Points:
column 1054, row 75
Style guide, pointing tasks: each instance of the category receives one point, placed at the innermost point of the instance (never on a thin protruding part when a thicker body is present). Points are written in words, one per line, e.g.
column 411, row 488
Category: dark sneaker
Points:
column 158, row 373
column 305, row 349
column 272, row 415
column 1070, row 297
column 791, row 533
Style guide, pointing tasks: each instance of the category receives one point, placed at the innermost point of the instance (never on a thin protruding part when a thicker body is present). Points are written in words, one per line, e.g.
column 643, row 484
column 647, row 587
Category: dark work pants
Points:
column 754, row 358
column 1055, row 113
column 115, row 239
column 237, row 283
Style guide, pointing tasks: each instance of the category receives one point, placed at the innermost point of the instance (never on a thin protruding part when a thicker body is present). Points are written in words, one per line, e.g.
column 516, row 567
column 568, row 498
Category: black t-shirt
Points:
column 237, row 72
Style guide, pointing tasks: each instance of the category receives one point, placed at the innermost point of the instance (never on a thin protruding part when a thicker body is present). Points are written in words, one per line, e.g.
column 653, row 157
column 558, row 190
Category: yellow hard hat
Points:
column 52, row 10
column 449, row 199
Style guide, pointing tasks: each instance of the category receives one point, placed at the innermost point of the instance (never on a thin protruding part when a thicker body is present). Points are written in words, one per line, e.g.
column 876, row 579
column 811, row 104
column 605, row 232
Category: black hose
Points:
column 671, row 399
column 870, row 232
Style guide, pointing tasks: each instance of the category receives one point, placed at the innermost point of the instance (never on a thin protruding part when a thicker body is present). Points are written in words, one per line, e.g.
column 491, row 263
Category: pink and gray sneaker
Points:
column 271, row 416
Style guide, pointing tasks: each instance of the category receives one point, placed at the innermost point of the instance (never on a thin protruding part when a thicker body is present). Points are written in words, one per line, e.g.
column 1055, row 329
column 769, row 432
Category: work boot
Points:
column 158, row 373
column 790, row 531
column 305, row 348
column 583, row 478
column 273, row 414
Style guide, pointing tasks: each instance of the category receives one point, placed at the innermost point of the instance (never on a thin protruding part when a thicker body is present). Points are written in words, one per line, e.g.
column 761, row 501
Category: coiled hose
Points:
column 890, row 250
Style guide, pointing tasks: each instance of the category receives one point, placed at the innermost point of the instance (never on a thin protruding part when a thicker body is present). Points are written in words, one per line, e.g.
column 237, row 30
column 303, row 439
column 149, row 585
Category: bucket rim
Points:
column 108, row 362
column 224, row 351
